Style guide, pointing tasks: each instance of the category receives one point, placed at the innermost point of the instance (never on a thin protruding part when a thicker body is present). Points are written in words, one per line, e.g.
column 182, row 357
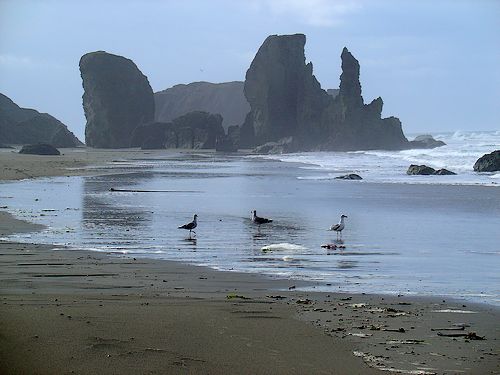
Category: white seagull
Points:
column 340, row 226
column 259, row 220
column 190, row 226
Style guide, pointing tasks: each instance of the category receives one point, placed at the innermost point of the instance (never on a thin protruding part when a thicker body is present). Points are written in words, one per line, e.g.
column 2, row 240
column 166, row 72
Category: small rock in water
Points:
column 424, row 170
column 488, row 162
column 420, row 170
column 444, row 172
column 350, row 176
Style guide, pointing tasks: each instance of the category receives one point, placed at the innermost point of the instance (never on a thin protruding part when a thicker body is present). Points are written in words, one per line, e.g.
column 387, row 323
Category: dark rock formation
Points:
column 150, row 134
column 286, row 100
column 225, row 98
column 23, row 125
column 420, row 170
column 198, row 130
column 488, row 162
column 444, row 172
column 426, row 141
column 152, row 143
column 117, row 99
column 350, row 176
column 39, row 149
column 425, row 170
column 225, row 144
column 353, row 125
column 233, row 133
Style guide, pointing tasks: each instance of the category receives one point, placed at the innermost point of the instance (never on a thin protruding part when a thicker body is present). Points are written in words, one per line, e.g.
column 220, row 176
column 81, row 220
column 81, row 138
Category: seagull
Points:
column 259, row 220
column 340, row 226
column 190, row 226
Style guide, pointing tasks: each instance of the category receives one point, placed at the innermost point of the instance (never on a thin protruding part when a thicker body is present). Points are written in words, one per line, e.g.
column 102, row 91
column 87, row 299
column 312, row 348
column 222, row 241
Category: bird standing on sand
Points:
column 259, row 220
column 340, row 226
column 190, row 226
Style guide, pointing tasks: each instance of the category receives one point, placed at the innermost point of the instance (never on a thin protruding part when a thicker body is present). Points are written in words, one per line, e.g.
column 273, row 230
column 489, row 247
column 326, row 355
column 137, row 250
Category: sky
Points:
column 436, row 64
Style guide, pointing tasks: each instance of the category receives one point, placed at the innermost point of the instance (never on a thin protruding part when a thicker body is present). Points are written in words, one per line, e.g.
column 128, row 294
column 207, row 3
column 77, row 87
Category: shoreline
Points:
column 83, row 308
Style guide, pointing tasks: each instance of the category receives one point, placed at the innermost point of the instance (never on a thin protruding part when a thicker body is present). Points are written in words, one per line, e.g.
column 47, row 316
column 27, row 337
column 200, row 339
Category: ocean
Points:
column 411, row 235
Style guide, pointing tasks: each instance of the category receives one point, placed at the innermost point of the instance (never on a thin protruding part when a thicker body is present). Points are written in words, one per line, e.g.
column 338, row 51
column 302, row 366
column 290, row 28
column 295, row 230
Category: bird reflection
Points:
column 190, row 243
column 259, row 236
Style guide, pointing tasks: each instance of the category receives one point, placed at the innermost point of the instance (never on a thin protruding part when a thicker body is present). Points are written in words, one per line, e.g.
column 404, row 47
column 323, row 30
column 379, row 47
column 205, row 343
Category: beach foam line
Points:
column 283, row 247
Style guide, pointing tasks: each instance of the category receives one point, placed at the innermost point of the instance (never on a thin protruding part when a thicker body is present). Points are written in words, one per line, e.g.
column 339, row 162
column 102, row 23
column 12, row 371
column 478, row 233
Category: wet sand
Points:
column 71, row 162
column 70, row 311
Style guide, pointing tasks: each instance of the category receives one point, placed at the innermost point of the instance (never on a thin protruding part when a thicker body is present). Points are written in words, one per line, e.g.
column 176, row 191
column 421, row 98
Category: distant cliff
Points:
column 23, row 125
column 117, row 98
column 226, row 98
column 287, row 101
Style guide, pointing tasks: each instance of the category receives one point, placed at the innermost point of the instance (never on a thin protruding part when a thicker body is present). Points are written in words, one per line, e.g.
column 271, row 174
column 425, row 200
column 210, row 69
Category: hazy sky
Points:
column 436, row 64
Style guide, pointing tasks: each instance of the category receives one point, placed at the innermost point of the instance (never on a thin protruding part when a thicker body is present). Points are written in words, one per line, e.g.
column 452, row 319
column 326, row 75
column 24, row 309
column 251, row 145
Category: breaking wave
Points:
column 459, row 155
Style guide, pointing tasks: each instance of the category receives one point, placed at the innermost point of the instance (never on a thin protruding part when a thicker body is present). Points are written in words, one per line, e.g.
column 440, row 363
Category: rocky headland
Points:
column 117, row 98
column 20, row 126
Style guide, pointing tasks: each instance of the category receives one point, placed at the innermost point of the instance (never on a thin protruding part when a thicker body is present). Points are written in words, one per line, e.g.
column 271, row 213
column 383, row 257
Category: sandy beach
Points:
column 71, row 162
column 68, row 311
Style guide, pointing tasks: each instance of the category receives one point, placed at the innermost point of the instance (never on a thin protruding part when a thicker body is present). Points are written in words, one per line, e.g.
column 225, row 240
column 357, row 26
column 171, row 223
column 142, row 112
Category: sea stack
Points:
column 117, row 98
column 353, row 125
column 286, row 100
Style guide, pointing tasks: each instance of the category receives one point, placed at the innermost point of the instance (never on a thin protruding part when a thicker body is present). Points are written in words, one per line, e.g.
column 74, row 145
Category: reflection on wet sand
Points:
column 100, row 213
column 347, row 264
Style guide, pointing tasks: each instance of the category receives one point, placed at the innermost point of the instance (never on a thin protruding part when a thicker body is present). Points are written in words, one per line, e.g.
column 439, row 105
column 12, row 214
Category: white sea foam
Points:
column 283, row 247
column 459, row 155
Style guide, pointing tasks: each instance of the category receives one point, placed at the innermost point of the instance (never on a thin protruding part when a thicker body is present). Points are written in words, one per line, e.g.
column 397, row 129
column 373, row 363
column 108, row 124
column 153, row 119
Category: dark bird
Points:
column 259, row 220
column 190, row 226
column 340, row 226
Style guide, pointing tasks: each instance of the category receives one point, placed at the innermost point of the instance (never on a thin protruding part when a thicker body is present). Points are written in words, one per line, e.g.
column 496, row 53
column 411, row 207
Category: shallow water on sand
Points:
column 399, row 238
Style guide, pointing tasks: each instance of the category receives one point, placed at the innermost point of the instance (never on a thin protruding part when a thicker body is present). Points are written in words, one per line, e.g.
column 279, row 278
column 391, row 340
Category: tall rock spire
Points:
column 350, row 87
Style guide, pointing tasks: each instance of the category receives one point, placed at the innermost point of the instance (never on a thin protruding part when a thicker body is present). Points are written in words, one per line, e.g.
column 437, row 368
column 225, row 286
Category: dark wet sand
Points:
column 66, row 311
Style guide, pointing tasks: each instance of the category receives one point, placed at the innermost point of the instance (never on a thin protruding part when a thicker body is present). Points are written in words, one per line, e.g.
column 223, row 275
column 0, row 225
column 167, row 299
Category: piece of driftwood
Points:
column 400, row 330
column 469, row 335
column 458, row 328
column 153, row 191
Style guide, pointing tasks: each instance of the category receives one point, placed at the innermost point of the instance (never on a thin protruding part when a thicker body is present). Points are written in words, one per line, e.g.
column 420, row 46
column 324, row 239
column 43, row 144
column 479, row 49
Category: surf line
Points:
column 154, row 191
